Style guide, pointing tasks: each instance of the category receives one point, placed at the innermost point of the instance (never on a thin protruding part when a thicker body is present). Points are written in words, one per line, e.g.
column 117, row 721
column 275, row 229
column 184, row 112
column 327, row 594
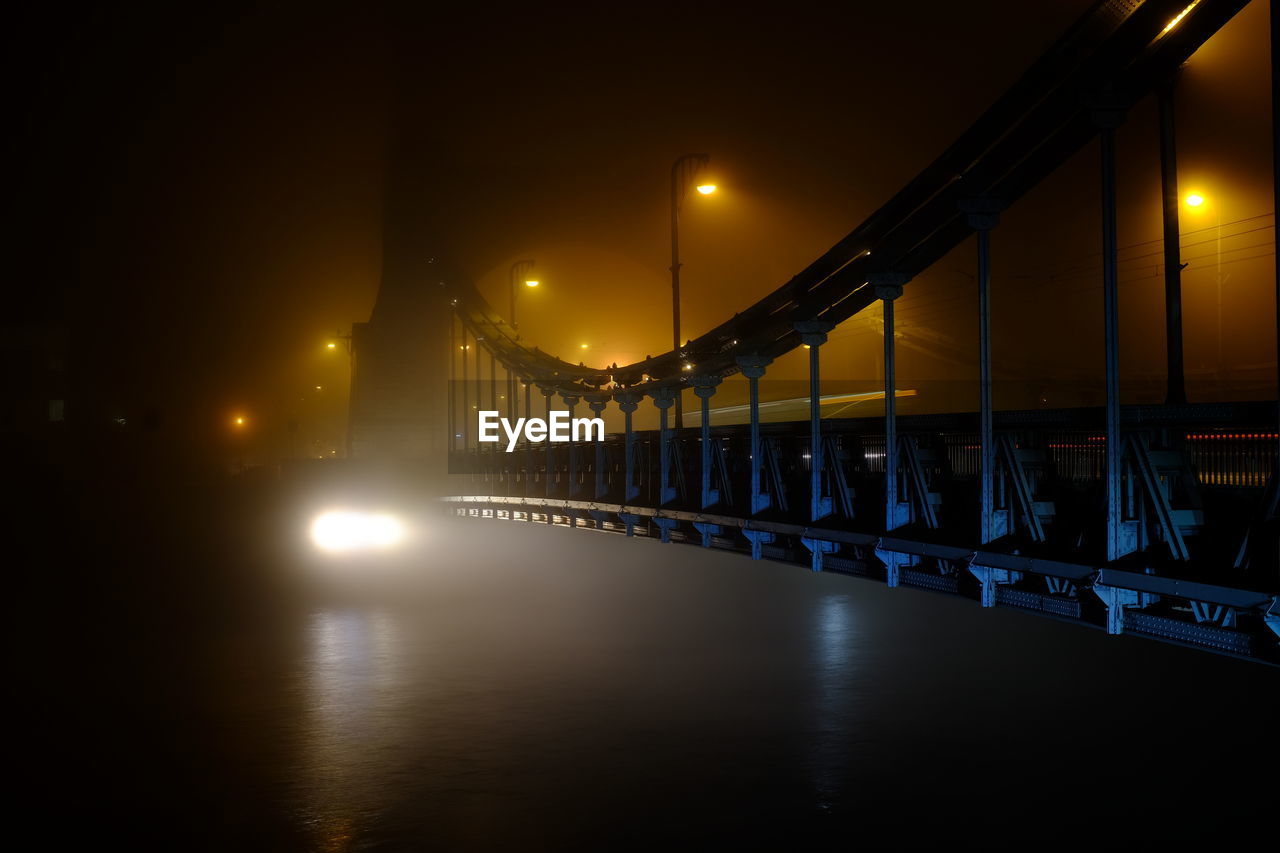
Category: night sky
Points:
column 199, row 196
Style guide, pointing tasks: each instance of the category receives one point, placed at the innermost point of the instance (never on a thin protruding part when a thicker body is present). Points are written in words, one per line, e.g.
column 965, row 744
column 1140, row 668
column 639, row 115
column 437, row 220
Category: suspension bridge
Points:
column 1155, row 520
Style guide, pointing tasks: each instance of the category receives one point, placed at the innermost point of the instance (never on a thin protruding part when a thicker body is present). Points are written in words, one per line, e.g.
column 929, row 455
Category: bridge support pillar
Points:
column 707, row 530
column 596, row 403
column 628, row 402
column 1108, row 118
column 466, row 394
column 575, row 488
column 893, row 563
column 665, row 526
column 452, row 405
column 983, row 215
column 813, row 334
column 664, row 398
column 1116, row 599
column 630, row 520
column 758, row 539
column 1176, row 388
column 888, row 287
column 752, row 367
column 990, row 578
column 1272, row 617
column 547, row 394
column 819, row 548
column 705, row 388
column 528, row 447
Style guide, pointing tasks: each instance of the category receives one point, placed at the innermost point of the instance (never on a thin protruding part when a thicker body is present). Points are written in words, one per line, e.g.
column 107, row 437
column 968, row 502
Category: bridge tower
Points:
column 399, row 380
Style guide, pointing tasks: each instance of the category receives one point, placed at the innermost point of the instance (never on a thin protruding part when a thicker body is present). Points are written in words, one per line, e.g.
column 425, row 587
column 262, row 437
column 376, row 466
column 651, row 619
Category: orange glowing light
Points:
column 706, row 189
column 1194, row 199
column 1177, row 19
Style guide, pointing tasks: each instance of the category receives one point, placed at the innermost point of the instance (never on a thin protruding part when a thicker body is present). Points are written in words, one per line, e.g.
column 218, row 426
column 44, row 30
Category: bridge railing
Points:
column 1190, row 490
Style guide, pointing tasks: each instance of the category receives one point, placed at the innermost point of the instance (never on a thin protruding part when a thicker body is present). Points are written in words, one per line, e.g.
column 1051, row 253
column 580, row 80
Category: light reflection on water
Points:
column 836, row 672
column 356, row 685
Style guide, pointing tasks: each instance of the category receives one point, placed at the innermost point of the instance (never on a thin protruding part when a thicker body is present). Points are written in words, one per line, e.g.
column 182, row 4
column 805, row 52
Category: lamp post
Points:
column 684, row 171
column 520, row 271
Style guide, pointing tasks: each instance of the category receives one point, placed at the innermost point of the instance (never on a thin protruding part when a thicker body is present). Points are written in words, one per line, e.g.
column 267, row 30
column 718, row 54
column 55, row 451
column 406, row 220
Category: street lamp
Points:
column 520, row 271
column 684, row 172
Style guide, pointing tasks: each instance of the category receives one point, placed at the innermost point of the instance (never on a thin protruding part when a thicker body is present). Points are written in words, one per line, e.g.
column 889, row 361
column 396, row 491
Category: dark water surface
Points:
column 518, row 687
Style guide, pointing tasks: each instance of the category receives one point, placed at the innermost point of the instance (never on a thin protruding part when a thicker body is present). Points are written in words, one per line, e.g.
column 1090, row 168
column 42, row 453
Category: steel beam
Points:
column 813, row 334
column 753, row 367
column 596, row 403
column 628, row 403
column 547, row 393
column 664, row 399
column 572, row 402
column 1175, row 390
column 888, row 287
column 1118, row 543
column 983, row 215
column 705, row 388
column 466, row 396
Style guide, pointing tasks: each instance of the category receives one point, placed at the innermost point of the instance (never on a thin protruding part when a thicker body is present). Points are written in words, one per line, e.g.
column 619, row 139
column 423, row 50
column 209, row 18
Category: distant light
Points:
column 688, row 367
column 338, row 531
column 531, row 282
column 706, row 189
column 806, row 346
column 331, row 345
column 583, row 346
column 1177, row 19
column 1194, row 199
column 239, row 421
column 318, row 388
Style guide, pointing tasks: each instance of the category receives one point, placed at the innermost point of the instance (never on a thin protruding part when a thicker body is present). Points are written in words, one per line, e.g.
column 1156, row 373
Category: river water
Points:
column 513, row 686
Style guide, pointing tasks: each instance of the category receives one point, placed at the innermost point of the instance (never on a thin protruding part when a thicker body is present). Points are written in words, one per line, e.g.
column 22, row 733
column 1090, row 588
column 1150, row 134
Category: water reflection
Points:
column 355, row 684
column 836, row 671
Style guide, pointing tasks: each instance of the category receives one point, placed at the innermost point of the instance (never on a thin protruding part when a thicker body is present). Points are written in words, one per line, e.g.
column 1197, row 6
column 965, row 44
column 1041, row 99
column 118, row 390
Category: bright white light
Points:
column 339, row 531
